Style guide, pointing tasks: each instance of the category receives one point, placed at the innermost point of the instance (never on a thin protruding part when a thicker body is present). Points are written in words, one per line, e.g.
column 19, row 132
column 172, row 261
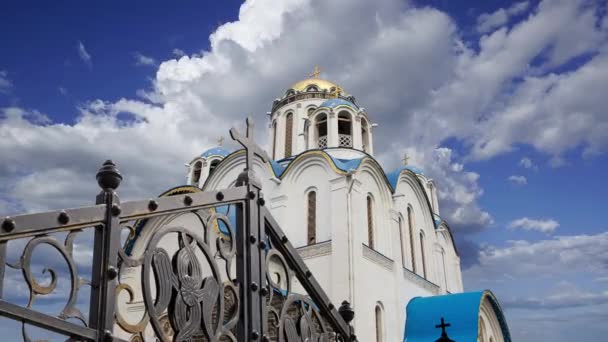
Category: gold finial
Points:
column 220, row 141
column 316, row 72
column 337, row 90
column 406, row 158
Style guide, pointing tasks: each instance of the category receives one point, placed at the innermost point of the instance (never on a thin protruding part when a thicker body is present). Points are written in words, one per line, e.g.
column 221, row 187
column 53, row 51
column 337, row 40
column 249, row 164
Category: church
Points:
column 371, row 236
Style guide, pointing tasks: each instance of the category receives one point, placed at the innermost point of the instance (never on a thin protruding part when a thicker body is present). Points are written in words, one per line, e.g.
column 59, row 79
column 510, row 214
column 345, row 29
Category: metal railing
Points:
column 208, row 277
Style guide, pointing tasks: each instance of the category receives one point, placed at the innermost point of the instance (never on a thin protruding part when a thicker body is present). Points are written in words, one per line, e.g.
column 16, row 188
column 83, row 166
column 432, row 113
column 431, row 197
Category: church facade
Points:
column 372, row 237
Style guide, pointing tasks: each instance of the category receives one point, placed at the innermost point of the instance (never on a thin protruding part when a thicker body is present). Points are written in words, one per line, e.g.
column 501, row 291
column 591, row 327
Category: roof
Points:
column 215, row 151
column 393, row 176
column 319, row 83
column 460, row 310
column 333, row 103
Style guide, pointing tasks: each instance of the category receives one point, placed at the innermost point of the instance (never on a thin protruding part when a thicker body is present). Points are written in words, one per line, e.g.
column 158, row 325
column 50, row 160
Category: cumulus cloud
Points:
column 544, row 226
column 444, row 89
column 141, row 59
column 84, row 55
column 518, row 180
column 5, row 83
column 489, row 21
column 527, row 163
column 546, row 286
column 178, row 52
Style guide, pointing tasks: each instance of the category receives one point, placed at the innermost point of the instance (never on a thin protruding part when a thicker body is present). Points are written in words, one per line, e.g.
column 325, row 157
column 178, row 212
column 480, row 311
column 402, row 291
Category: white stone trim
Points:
column 377, row 257
column 313, row 251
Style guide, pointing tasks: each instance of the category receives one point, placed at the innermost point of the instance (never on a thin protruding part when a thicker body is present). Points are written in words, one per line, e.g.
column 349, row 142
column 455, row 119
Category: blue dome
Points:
column 333, row 103
column 215, row 151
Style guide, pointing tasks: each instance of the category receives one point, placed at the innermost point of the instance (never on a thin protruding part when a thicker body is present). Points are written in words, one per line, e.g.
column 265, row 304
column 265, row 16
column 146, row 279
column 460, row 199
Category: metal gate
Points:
column 189, row 283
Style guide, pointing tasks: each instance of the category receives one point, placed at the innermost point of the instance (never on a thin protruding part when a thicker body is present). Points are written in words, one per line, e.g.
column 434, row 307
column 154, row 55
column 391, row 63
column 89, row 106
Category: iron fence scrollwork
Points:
column 188, row 271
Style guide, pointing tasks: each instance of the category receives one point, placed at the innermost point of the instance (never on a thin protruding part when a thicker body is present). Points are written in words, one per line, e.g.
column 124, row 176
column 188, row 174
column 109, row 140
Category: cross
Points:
column 405, row 159
column 251, row 148
column 316, row 72
column 220, row 141
column 443, row 325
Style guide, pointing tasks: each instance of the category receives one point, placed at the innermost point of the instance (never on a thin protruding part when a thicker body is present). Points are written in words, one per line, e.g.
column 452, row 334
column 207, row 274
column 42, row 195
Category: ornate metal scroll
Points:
column 185, row 281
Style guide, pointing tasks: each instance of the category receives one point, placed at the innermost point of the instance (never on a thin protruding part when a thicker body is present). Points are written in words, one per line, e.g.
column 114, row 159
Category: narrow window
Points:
column 288, row 134
column 422, row 253
column 379, row 337
column 274, row 139
column 370, row 222
column 213, row 166
column 345, row 131
column 321, row 130
column 401, row 241
column 410, row 222
column 312, row 217
column 196, row 174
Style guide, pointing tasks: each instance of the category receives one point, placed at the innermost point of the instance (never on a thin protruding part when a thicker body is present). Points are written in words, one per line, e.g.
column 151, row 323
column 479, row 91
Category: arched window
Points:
column 379, row 324
column 370, row 222
column 321, row 130
column 312, row 88
column 213, row 165
column 345, row 130
column 312, row 217
column 290, row 92
column 422, row 254
column 365, row 135
column 196, row 173
column 274, row 139
column 288, row 134
column 401, row 241
column 410, row 223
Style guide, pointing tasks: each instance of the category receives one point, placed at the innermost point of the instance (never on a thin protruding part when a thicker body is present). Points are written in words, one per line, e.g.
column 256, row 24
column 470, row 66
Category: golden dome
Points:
column 319, row 83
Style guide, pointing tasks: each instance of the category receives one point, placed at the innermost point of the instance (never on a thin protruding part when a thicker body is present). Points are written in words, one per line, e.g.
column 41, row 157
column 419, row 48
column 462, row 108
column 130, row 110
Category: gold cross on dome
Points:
column 220, row 141
column 405, row 159
column 316, row 72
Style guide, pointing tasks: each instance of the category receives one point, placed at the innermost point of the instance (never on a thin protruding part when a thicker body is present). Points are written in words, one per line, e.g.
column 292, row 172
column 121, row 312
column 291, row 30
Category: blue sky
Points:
column 501, row 102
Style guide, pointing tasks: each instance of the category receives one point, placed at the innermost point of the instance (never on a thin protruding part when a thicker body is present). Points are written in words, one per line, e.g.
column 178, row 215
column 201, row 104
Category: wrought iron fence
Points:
column 196, row 266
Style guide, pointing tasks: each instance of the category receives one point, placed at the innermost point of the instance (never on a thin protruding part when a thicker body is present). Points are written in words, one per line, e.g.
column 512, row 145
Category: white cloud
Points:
column 143, row 60
column 63, row 91
column 444, row 89
column 5, row 83
column 490, row 21
column 527, row 163
column 84, row 55
column 544, row 225
column 178, row 52
column 518, row 180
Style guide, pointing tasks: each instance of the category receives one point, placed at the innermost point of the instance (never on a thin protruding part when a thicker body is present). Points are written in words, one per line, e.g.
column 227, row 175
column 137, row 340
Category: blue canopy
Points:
column 460, row 310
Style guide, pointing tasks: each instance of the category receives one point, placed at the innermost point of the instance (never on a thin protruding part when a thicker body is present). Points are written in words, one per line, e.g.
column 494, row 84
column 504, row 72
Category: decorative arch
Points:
column 213, row 165
column 311, row 88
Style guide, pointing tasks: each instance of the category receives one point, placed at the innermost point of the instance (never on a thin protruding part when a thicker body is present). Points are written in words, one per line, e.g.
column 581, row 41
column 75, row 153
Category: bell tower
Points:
column 317, row 114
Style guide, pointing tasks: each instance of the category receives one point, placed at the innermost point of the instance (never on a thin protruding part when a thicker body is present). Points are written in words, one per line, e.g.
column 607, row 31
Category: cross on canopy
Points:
column 444, row 336
column 251, row 148
column 405, row 159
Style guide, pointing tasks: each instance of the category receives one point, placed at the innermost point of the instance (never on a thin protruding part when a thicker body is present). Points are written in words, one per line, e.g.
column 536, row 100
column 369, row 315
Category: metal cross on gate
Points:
column 251, row 149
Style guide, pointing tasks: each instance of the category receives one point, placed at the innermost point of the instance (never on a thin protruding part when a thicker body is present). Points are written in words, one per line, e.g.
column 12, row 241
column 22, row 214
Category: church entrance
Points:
column 187, row 266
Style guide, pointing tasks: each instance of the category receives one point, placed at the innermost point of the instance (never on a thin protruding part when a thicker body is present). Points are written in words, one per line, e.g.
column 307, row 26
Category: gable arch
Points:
column 229, row 168
column 408, row 178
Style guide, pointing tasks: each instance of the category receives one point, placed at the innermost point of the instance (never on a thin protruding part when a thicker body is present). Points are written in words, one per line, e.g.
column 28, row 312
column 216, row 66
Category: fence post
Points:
column 105, row 255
